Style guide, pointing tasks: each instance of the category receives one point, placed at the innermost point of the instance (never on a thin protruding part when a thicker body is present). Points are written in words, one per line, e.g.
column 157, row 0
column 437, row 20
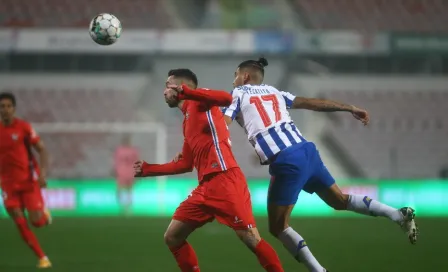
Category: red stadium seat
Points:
column 404, row 139
column 65, row 13
column 376, row 15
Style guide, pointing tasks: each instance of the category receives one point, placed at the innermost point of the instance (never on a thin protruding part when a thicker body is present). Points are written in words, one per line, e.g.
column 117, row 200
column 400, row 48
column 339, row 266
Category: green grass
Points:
column 136, row 244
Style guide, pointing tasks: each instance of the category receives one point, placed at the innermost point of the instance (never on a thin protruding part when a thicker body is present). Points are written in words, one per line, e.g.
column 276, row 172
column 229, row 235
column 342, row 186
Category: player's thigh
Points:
column 228, row 199
column 289, row 174
column 192, row 210
column 177, row 232
column 284, row 190
column 12, row 200
column 320, row 178
column 278, row 217
column 334, row 197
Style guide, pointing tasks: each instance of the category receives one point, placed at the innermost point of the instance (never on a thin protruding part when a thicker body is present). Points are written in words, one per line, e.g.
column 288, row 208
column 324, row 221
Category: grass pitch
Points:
column 136, row 244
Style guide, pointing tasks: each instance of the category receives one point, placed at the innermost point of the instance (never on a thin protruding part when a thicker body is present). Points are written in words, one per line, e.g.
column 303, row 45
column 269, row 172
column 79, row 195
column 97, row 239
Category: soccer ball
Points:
column 105, row 29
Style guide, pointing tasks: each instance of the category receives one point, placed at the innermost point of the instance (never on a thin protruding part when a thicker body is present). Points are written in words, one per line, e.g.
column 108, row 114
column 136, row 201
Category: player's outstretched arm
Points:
column 324, row 105
column 144, row 169
column 39, row 146
column 211, row 97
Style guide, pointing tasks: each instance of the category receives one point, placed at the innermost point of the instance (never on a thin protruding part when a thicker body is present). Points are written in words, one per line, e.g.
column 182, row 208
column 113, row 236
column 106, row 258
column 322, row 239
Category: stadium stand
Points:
column 229, row 14
column 375, row 15
column 71, row 105
column 406, row 137
column 65, row 13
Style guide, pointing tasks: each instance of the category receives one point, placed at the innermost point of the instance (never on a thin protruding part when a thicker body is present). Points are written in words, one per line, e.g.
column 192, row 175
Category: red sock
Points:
column 268, row 257
column 29, row 237
column 186, row 257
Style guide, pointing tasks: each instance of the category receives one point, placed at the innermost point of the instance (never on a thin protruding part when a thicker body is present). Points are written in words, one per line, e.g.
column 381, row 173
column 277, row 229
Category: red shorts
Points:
column 31, row 199
column 224, row 196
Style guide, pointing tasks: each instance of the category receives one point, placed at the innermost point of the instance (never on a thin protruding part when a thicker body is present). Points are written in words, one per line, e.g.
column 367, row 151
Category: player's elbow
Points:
column 186, row 168
column 227, row 100
column 223, row 99
column 189, row 168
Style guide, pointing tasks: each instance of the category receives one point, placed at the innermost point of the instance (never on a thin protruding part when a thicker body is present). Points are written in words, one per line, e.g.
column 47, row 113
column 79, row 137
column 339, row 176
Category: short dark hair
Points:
column 257, row 64
column 9, row 96
column 185, row 73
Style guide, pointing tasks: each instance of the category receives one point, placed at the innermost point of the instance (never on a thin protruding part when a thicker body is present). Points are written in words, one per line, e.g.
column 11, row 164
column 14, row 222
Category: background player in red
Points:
column 222, row 192
column 124, row 157
column 20, row 178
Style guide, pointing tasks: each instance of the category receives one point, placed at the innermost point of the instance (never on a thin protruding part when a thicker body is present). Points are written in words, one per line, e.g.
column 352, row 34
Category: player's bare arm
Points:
column 43, row 161
column 324, row 105
column 228, row 120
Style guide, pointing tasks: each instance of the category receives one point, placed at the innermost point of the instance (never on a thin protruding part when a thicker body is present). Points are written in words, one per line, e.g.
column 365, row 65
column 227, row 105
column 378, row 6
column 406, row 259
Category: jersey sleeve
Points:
column 211, row 97
column 235, row 107
column 289, row 98
column 31, row 134
column 172, row 168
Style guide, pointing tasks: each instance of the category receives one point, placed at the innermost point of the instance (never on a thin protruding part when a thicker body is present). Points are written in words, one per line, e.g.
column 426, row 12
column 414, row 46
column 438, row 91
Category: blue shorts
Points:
column 297, row 168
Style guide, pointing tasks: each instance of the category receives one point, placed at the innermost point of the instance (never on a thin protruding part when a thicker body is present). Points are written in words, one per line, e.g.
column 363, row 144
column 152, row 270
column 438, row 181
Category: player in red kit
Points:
column 222, row 192
column 20, row 178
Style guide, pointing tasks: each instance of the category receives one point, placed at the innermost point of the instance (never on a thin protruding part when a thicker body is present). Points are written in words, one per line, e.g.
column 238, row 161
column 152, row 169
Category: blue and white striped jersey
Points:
column 262, row 111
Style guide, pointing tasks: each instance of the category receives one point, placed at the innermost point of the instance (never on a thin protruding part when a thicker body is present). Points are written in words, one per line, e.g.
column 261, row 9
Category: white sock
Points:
column 297, row 246
column 366, row 205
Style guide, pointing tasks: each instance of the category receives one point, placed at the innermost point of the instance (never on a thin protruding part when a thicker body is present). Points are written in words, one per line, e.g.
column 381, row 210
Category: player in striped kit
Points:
column 294, row 163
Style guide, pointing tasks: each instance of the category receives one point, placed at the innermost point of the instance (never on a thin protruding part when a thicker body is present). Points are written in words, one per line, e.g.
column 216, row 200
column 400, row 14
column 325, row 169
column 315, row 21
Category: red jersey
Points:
column 206, row 136
column 18, row 167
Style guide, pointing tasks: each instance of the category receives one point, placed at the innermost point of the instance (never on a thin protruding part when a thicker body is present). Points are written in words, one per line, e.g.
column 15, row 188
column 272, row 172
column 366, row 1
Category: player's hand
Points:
column 361, row 115
column 138, row 168
column 42, row 182
column 178, row 157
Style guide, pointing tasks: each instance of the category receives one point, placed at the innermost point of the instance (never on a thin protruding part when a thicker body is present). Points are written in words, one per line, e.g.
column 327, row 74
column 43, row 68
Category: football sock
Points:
column 366, row 205
column 267, row 257
column 29, row 237
column 186, row 257
column 297, row 246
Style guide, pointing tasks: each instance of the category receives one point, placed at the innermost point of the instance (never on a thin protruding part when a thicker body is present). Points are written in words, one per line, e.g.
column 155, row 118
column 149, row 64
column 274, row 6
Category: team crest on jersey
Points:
column 214, row 165
column 15, row 136
column 186, row 116
column 237, row 220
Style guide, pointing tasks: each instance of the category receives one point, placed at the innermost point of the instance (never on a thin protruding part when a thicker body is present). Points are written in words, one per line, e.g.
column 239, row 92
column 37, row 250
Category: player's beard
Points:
column 172, row 103
column 6, row 119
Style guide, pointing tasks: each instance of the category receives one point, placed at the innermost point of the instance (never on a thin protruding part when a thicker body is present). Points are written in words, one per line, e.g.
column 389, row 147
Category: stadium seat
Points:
column 65, row 13
column 406, row 137
column 375, row 15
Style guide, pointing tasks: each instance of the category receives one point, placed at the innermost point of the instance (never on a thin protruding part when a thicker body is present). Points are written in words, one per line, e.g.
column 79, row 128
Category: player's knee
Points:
column 276, row 228
column 39, row 223
column 250, row 237
column 15, row 213
column 38, row 219
column 172, row 240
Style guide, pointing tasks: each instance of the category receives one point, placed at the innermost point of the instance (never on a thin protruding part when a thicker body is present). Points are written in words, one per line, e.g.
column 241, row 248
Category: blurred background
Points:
column 389, row 57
